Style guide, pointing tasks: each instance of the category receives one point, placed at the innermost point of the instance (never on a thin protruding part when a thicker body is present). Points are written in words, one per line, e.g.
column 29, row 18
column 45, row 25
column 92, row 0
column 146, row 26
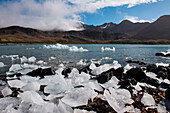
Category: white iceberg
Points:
column 31, row 97
column 16, row 83
column 1, row 64
column 63, row 108
column 24, row 59
column 60, row 46
column 93, row 84
column 76, row 49
column 117, row 98
column 82, row 62
column 6, row 101
column 148, row 100
column 31, row 59
column 107, row 49
column 83, row 111
column 105, row 67
column 79, row 96
column 113, row 82
column 6, row 91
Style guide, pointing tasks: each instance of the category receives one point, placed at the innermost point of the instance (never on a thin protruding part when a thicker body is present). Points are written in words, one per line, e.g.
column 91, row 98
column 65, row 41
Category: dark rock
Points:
column 167, row 94
column 152, row 68
column 41, row 72
column 98, row 105
column 127, row 83
column 136, row 73
column 105, row 76
column 161, row 54
column 119, row 73
column 3, row 77
column 65, row 72
column 150, row 90
column 164, row 85
column 162, row 68
column 163, row 75
column 85, row 69
column 150, row 81
column 15, row 92
column 137, row 62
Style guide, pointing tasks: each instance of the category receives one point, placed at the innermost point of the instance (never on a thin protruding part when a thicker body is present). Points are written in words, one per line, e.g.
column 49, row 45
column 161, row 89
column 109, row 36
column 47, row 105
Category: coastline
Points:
column 133, row 42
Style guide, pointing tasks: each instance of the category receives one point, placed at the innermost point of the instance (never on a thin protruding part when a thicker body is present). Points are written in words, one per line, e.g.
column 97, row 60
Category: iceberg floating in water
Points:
column 60, row 46
column 76, row 49
column 107, row 49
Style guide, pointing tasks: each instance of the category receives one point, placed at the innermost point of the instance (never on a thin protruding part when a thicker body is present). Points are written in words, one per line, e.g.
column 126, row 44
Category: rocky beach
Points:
column 95, row 88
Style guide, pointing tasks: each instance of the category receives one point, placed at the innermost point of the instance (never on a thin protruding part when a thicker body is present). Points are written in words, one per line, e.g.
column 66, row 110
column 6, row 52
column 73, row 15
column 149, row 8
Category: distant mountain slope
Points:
column 106, row 33
column 160, row 29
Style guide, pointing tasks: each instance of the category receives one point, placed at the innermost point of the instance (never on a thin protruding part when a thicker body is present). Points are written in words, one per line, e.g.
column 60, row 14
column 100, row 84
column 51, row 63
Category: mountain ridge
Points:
column 105, row 33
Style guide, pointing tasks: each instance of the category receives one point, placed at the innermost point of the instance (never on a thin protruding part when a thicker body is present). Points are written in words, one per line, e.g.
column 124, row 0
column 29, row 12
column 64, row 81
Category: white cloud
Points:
column 136, row 19
column 54, row 14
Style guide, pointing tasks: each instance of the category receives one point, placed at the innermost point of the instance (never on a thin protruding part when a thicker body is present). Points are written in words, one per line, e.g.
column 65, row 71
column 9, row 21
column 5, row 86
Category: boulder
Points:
column 41, row 72
column 65, row 72
column 136, row 73
column 105, row 76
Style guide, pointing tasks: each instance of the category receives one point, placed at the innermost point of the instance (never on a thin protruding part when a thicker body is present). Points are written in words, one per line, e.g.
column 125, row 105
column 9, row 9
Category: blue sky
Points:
column 151, row 12
column 68, row 14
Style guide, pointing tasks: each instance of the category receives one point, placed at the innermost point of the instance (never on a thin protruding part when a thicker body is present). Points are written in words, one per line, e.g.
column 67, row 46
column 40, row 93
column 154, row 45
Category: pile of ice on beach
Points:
column 61, row 46
column 63, row 94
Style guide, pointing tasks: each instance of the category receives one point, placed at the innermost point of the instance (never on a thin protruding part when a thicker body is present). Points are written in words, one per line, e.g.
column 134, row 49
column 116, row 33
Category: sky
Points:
column 69, row 14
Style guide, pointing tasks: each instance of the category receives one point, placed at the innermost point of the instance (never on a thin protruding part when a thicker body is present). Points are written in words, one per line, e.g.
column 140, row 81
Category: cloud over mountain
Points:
column 54, row 14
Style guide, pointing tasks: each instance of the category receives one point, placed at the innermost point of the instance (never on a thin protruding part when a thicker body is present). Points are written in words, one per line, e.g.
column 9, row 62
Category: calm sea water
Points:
column 145, row 53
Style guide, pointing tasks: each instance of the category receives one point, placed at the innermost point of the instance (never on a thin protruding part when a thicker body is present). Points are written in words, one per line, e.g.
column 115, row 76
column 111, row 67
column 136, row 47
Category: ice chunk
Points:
column 40, row 62
column 16, row 83
column 4, row 102
column 82, row 111
column 107, row 49
column 162, row 64
column 10, row 109
column 21, row 68
column 56, row 84
column 118, row 98
column 151, row 75
column 34, row 86
column 78, row 96
column 63, row 108
column 113, row 82
column 147, row 99
column 82, row 62
column 15, row 68
column 76, row 49
column 31, row 59
column 1, row 64
column 137, row 87
column 93, row 84
column 78, row 78
column 92, row 66
column 105, row 67
column 57, row 46
column 32, row 97
column 161, row 109
column 6, row 91
column 24, row 59
column 128, row 67
column 44, row 108
column 102, row 68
